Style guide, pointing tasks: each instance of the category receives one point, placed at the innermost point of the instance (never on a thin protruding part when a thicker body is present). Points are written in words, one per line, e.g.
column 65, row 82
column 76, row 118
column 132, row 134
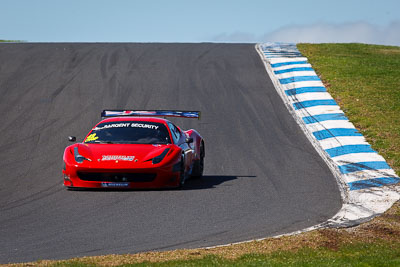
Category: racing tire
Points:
column 182, row 174
column 198, row 165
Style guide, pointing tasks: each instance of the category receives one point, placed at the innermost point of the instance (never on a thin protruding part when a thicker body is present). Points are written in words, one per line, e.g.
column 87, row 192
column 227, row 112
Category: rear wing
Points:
column 151, row 113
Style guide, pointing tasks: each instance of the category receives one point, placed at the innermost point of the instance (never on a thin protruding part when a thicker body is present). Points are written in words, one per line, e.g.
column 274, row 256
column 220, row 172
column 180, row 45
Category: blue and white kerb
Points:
column 361, row 167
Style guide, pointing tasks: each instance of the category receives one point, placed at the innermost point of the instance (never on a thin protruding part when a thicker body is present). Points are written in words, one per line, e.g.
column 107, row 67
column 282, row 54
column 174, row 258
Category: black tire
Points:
column 198, row 165
column 182, row 177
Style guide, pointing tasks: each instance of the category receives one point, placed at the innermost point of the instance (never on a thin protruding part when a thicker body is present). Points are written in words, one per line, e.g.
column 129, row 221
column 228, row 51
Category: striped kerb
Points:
column 276, row 65
column 360, row 166
column 301, row 90
column 293, row 70
column 329, row 133
column 324, row 117
column 298, row 79
column 315, row 111
column 313, row 103
column 348, row 149
column 376, row 182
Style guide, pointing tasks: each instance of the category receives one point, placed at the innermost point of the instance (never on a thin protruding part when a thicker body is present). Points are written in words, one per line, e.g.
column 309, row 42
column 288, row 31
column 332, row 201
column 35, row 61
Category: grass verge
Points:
column 365, row 81
column 10, row 41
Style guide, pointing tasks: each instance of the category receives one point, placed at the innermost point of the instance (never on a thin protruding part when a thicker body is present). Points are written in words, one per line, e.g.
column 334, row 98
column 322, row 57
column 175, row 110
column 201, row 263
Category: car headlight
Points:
column 160, row 157
column 79, row 158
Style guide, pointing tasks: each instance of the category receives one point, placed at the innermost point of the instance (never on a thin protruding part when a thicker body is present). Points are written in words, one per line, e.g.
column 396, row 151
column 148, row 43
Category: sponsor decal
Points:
column 142, row 125
column 91, row 137
column 117, row 157
column 113, row 125
column 114, row 184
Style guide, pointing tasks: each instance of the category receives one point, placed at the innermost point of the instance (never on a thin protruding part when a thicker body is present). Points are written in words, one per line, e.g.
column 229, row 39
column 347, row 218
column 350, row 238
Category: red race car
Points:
column 135, row 149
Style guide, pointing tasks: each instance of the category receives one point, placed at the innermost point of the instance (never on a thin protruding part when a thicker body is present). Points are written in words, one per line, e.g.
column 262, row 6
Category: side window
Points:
column 176, row 134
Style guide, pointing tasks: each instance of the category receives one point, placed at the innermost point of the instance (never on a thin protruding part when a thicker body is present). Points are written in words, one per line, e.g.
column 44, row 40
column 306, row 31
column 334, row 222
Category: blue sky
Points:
column 201, row 21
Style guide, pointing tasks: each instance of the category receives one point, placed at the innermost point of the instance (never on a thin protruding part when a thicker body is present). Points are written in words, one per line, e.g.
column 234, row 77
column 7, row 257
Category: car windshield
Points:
column 129, row 132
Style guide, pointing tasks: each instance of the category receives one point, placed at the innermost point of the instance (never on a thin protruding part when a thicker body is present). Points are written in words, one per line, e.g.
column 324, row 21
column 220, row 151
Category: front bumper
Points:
column 157, row 177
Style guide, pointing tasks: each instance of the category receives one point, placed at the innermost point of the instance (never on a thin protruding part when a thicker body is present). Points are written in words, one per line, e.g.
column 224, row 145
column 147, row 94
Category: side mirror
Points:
column 189, row 140
column 71, row 138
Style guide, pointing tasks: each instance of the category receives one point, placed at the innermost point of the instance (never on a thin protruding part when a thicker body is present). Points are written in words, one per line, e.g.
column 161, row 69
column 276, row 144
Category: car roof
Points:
column 126, row 118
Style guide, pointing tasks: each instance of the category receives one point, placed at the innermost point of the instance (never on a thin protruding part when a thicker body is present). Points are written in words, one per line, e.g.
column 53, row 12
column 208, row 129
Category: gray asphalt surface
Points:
column 262, row 176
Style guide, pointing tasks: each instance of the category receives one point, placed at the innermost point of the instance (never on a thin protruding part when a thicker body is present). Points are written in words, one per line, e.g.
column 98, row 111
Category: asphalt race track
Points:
column 262, row 176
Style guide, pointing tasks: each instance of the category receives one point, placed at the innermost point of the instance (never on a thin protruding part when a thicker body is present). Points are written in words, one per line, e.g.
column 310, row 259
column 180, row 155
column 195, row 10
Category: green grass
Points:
column 380, row 254
column 10, row 41
column 365, row 81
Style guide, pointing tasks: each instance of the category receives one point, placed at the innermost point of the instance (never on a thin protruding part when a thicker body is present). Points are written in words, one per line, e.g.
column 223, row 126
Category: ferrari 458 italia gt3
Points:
column 135, row 149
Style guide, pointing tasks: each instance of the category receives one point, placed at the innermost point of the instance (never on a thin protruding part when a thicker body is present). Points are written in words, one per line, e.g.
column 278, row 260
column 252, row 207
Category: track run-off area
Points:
column 262, row 176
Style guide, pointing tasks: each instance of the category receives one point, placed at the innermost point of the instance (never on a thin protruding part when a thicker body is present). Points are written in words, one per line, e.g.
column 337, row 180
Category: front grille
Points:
column 117, row 177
